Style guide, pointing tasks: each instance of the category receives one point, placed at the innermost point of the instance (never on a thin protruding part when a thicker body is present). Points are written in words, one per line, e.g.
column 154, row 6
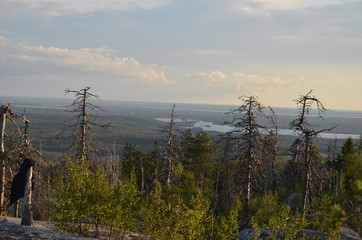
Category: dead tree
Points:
column 226, row 172
column 272, row 143
column 306, row 134
column 249, row 136
column 83, row 138
column 5, row 113
column 26, row 151
column 172, row 152
column 336, row 165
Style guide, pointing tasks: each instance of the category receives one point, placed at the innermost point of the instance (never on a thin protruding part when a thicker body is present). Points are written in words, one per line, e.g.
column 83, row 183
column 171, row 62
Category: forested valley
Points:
column 191, row 185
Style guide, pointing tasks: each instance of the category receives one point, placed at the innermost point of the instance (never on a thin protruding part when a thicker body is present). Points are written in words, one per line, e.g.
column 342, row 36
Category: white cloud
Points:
column 3, row 41
column 44, row 8
column 129, row 4
column 55, row 8
column 87, row 61
column 252, row 83
column 267, row 7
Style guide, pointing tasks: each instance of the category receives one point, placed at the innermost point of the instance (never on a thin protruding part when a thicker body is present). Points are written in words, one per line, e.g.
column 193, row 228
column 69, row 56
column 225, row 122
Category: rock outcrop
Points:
column 10, row 229
column 305, row 234
column 15, row 231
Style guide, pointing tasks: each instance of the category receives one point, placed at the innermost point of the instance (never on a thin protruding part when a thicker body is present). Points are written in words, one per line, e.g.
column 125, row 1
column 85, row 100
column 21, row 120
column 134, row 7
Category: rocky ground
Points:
column 10, row 229
column 304, row 234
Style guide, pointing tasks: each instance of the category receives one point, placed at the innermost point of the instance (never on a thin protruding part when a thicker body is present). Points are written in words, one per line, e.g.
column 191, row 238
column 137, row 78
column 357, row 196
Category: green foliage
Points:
column 351, row 183
column 335, row 220
column 81, row 195
column 270, row 213
column 157, row 214
column 277, row 218
column 71, row 195
column 171, row 215
column 125, row 209
column 199, row 159
column 98, row 199
column 227, row 226
column 326, row 217
column 139, row 163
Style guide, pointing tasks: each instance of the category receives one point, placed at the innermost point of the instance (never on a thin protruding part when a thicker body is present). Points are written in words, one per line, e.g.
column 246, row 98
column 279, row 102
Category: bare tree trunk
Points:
column 308, row 174
column 246, row 210
column 142, row 176
column 16, row 209
column 228, row 172
column 171, row 149
column 27, row 216
column 84, row 125
column 2, row 157
column 337, row 173
column 273, row 174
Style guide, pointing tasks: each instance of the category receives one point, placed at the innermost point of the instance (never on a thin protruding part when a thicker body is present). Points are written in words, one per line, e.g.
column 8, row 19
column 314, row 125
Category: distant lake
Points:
column 212, row 127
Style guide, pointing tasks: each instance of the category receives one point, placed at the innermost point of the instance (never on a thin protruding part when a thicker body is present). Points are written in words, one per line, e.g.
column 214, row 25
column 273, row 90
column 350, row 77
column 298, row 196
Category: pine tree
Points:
column 198, row 157
column 351, row 182
column 157, row 215
column 227, row 226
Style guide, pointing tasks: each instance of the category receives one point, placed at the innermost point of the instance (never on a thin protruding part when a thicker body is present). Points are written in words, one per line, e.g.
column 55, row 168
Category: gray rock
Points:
column 14, row 231
column 349, row 234
column 294, row 200
column 305, row 234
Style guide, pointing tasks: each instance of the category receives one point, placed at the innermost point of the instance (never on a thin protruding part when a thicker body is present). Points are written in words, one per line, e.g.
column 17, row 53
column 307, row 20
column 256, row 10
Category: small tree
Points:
column 198, row 156
column 227, row 227
column 275, row 217
column 82, row 194
column 157, row 217
column 72, row 196
column 351, row 182
column 125, row 204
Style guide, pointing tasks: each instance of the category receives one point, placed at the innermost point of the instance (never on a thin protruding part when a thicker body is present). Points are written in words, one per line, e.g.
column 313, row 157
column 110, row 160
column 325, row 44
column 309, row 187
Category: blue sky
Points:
column 200, row 51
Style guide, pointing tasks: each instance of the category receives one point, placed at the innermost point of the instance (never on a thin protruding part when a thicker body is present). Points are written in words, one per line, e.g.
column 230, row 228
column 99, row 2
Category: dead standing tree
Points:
column 227, row 171
column 272, row 143
column 26, row 152
column 249, row 136
column 5, row 113
column 83, row 138
column 304, row 143
column 24, row 149
column 173, row 152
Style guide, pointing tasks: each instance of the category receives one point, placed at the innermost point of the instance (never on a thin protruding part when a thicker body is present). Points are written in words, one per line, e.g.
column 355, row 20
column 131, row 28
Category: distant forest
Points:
column 172, row 181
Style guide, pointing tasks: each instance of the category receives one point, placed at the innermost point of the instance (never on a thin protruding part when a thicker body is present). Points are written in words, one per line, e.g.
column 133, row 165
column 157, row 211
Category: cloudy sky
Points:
column 192, row 51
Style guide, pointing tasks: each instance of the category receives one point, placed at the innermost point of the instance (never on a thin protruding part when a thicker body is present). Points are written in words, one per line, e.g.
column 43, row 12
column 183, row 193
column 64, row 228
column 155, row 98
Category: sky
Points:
column 188, row 51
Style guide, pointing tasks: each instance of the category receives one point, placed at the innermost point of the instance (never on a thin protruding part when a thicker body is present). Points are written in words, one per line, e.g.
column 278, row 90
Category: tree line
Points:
column 194, row 184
